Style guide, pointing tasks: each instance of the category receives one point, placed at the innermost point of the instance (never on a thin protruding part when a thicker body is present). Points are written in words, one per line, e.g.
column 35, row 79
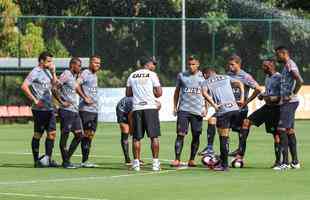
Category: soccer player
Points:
column 144, row 86
column 68, row 111
column 291, row 83
column 88, row 107
column 269, row 113
column 218, row 92
column 124, row 119
column 235, row 72
column 38, row 88
column 189, row 107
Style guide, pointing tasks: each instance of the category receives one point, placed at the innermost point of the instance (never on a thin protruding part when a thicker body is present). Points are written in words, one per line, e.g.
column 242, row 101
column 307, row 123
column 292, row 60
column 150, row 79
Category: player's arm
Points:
column 81, row 93
column 129, row 92
column 257, row 90
column 158, row 91
column 209, row 98
column 239, row 85
column 299, row 81
column 176, row 99
column 25, row 88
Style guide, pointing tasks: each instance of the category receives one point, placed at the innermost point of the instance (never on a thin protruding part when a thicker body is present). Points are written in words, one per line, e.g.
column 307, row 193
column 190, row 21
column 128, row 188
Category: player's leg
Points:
column 152, row 125
column 292, row 141
column 124, row 127
column 66, row 119
column 38, row 132
column 196, row 128
column 89, row 121
column 211, row 130
column 137, row 134
column 182, row 129
column 277, row 150
column 50, row 138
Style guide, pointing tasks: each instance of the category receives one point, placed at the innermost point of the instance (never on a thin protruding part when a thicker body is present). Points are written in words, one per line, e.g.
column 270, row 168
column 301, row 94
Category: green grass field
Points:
column 113, row 181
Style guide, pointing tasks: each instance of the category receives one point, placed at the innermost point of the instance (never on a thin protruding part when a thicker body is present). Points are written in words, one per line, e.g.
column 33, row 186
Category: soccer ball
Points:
column 210, row 161
column 237, row 163
column 44, row 161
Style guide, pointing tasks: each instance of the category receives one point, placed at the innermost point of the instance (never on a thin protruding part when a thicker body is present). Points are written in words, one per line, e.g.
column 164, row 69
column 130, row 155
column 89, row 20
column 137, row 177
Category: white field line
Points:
column 85, row 178
column 76, row 155
column 46, row 196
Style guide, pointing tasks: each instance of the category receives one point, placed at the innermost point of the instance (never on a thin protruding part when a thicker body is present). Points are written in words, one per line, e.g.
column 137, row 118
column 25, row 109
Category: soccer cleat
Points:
column 156, row 165
column 282, row 167
column 295, row 166
column 191, row 163
column 69, row 165
column 275, row 165
column 206, row 151
column 175, row 163
column 136, row 165
column 220, row 168
column 234, row 153
column 88, row 165
column 128, row 162
column 142, row 162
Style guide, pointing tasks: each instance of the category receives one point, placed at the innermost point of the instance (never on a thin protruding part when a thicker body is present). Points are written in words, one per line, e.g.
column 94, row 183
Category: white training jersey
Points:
column 142, row 83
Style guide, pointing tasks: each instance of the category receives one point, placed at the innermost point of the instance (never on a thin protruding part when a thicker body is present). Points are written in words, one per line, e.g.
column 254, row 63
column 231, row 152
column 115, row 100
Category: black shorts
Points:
column 227, row 120
column 185, row 118
column 287, row 115
column 44, row 121
column 69, row 121
column 268, row 115
column 145, row 121
column 122, row 117
column 89, row 120
column 237, row 123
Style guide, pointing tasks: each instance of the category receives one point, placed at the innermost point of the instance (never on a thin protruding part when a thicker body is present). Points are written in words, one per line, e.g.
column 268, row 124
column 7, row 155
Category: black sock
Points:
column 125, row 146
column 242, row 141
column 277, row 152
column 178, row 146
column 293, row 147
column 284, row 146
column 224, row 148
column 63, row 147
column 49, row 145
column 211, row 134
column 85, row 146
column 74, row 144
column 35, row 146
column 194, row 145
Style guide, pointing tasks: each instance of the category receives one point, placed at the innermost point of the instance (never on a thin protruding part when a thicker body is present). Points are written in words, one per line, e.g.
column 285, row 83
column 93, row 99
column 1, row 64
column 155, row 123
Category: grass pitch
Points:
column 113, row 181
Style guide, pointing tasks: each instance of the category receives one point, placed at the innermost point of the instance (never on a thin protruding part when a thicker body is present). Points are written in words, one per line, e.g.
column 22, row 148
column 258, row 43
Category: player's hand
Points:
column 287, row 98
column 240, row 103
column 175, row 112
column 39, row 103
column 88, row 100
column 158, row 104
column 216, row 107
column 66, row 104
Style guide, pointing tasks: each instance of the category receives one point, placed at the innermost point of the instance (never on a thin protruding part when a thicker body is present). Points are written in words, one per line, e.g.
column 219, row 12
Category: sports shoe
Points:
column 68, row 165
column 136, row 165
column 156, row 165
column 206, row 151
column 275, row 164
column 175, row 163
column 88, row 165
column 142, row 163
column 128, row 162
column 220, row 168
column 282, row 167
column 191, row 163
column 234, row 153
column 53, row 163
column 295, row 166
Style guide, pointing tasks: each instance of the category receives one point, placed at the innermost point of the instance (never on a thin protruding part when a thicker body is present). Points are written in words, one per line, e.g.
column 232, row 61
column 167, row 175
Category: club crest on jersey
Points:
column 140, row 75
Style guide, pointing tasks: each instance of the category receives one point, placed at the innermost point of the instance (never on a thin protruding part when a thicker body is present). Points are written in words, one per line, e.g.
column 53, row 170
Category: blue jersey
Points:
column 89, row 84
column 219, row 88
column 40, row 82
column 125, row 105
column 273, row 84
column 67, row 91
column 247, row 80
column 287, row 81
column 191, row 99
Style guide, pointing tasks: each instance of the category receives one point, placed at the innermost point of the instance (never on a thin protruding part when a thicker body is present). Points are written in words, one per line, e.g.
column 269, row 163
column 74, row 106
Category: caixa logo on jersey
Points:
column 140, row 75
column 192, row 90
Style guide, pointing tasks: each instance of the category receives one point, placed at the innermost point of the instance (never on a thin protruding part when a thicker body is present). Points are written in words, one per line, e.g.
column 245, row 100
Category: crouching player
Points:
column 218, row 92
column 70, row 120
column 269, row 113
